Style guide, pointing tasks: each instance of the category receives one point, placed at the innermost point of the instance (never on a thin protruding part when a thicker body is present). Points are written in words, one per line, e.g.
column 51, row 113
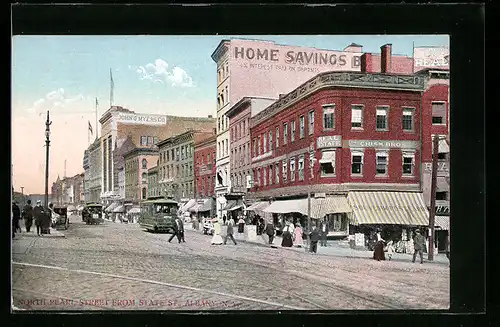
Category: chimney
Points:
column 209, row 116
column 364, row 64
column 385, row 58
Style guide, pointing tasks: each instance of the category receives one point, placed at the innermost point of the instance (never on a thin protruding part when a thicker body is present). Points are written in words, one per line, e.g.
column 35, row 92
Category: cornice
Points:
column 220, row 50
column 415, row 83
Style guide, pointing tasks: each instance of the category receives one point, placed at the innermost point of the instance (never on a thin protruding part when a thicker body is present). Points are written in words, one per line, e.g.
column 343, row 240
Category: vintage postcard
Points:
column 230, row 172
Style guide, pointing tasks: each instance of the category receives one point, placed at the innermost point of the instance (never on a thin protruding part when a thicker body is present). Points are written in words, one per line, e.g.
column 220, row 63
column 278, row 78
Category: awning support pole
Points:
column 308, row 221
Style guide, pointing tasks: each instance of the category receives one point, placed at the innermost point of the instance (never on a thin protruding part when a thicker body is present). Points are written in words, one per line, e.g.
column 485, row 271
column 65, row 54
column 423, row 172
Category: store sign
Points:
column 383, row 144
column 431, row 57
column 142, row 119
column 442, row 208
column 334, row 141
column 442, row 167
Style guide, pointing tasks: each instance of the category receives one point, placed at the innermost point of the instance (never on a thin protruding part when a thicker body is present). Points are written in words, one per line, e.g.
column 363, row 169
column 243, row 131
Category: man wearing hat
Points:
column 38, row 214
column 418, row 244
column 16, row 216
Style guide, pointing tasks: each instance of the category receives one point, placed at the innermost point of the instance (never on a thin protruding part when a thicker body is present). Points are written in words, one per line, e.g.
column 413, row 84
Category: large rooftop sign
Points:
column 431, row 57
column 145, row 119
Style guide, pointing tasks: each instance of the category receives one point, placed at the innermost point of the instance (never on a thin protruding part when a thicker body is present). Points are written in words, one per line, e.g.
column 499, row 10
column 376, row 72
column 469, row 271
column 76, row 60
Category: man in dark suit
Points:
column 178, row 227
column 181, row 230
column 16, row 216
column 418, row 245
column 270, row 231
column 314, row 238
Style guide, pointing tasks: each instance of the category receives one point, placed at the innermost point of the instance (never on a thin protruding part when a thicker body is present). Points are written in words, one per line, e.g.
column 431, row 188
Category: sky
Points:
column 172, row 75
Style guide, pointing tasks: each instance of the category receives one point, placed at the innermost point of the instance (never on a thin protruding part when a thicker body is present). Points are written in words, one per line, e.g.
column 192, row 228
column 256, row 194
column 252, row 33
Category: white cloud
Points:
column 158, row 72
column 57, row 99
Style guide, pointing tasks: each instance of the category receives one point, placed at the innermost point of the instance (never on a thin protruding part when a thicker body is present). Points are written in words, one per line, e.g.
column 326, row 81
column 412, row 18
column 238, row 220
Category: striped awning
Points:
column 205, row 205
column 258, row 206
column 119, row 209
column 443, row 147
column 443, row 222
column 288, row 206
column 191, row 203
column 321, row 207
column 391, row 208
column 111, row 207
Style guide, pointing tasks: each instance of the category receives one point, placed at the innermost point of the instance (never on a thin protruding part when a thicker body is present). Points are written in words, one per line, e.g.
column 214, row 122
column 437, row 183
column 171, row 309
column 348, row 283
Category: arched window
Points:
column 144, row 164
column 144, row 178
column 144, row 193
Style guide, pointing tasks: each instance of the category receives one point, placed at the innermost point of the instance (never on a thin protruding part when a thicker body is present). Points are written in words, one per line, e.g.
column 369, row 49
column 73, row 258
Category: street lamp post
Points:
column 47, row 144
column 22, row 193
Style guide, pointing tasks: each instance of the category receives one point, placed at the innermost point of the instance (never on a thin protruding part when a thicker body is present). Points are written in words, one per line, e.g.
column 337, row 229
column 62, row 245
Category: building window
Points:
column 311, row 122
column 270, row 140
column 442, row 196
column 243, row 132
column 301, row 127
column 285, row 133
column 301, row 167
column 155, row 140
column 264, row 145
column 277, row 173
column 327, row 163
column 382, row 118
column 381, row 163
column 408, row 164
column 311, row 164
column 258, row 146
column 328, row 116
column 218, row 123
column 144, row 178
column 244, row 155
column 357, row 163
column 285, row 170
column 292, row 132
column 150, row 140
column 144, row 193
column 144, row 140
column 407, row 119
column 357, row 116
column 144, row 164
column 254, row 150
column 292, row 169
column 270, row 174
column 277, row 137
column 226, row 147
column 438, row 113
column 264, row 173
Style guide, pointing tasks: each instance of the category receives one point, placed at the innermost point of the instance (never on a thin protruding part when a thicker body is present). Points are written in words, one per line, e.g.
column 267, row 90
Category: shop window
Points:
column 382, row 118
column 381, row 163
column 292, row 132
column 357, row 116
column 144, row 164
column 144, row 140
column 408, row 164
column 442, row 196
column 329, row 116
column 292, row 169
column 407, row 119
column 438, row 113
column 301, row 127
column 327, row 163
column 285, row 170
column 301, row 167
column 277, row 137
column 357, row 163
column 311, row 122
column 270, row 175
column 277, row 173
column 285, row 133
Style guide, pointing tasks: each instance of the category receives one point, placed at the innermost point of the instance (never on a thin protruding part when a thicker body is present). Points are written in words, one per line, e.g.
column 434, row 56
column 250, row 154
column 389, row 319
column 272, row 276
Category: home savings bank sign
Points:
column 142, row 119
column 269, row 56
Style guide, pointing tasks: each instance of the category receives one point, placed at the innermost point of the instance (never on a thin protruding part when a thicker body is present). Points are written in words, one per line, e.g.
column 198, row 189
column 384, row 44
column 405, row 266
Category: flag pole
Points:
column 96, row 120
column 413, row 57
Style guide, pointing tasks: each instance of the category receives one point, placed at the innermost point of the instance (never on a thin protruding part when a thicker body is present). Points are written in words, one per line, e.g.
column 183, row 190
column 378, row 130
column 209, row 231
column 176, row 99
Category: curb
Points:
column 53, row 233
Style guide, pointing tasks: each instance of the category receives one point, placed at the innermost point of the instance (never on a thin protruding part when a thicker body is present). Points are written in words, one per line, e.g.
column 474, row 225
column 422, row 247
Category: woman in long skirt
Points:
column 287, row 236
column 299, row 241
column 241, row 225
column 217, row 239
column 378, row 253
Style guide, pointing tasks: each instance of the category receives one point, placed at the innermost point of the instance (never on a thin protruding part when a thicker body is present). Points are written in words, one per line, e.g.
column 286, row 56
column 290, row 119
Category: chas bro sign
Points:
column 306, row 58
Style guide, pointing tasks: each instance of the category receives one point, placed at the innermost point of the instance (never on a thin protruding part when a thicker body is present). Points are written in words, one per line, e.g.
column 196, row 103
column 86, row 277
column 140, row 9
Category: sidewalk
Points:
column 32, row 233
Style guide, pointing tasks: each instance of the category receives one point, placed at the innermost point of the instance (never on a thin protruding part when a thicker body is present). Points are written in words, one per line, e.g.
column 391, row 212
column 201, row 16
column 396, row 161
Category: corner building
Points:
column 350, row 139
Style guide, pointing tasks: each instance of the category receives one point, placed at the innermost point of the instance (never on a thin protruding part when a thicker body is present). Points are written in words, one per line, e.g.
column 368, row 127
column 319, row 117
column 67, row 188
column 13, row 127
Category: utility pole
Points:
column 47, row 144
column 22, row 193
column 308, row 220
column 432, row 213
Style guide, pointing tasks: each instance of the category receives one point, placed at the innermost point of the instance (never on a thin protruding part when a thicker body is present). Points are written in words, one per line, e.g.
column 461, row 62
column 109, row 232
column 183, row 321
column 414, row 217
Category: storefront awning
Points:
column 443, row 147
column 206, row 205
column 191, row 203
column 134, row 210
column 258, row 206
column 391, row 208
column 235, row 207
column 321, row 207
column 111, row 207
column 288, row 206
column 443, row 222
column 119, row 209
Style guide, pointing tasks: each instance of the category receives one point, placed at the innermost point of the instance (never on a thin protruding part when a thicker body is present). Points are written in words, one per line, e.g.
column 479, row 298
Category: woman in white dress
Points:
column 217, row 239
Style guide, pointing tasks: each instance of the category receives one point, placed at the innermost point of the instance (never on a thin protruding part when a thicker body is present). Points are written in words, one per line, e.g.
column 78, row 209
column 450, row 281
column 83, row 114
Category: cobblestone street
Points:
column 121, row 267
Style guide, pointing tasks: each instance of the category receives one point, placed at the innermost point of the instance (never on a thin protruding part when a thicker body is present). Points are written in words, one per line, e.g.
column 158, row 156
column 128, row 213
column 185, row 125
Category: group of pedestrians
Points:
column 217, row 238
column 28, row 214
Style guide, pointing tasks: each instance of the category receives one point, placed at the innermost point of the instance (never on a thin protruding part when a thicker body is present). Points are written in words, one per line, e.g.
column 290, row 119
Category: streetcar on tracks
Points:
column 158, row 215
column 92, row 214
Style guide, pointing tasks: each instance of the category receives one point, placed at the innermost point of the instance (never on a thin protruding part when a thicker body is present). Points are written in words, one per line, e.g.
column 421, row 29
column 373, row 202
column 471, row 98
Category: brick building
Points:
column 240, row 146
column 204, row 167
column 137, row 163
column 68, row 190
column 145, row 130
column 153, row 185
column 352, row 141
column 93, row 172
column 176, row 162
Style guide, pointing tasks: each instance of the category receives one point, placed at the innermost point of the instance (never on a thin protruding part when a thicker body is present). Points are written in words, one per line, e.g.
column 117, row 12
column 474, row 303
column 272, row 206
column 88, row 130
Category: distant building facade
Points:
column 94, row 171
column 137, row 163
column 153, row 186
column 204, row 167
